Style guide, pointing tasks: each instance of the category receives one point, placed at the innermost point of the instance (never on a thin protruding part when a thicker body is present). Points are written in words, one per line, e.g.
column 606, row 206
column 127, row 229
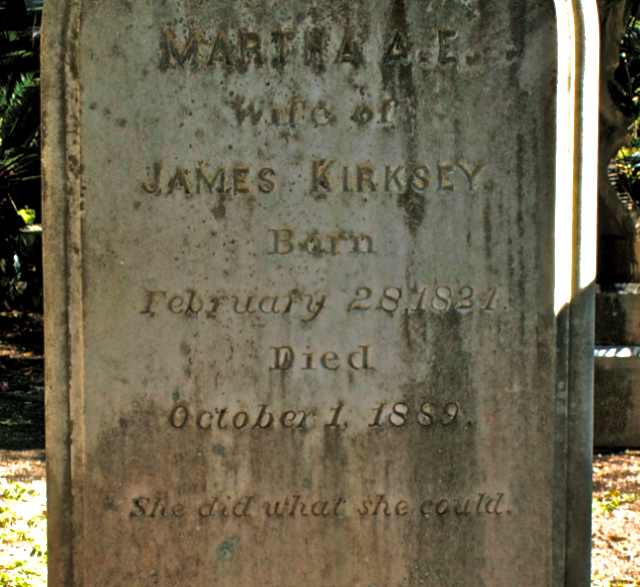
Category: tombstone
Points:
column 308, row 294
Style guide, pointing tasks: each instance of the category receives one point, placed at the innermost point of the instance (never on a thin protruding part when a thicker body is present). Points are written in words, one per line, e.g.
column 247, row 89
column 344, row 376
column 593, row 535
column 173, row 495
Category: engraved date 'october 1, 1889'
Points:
column 425, row 414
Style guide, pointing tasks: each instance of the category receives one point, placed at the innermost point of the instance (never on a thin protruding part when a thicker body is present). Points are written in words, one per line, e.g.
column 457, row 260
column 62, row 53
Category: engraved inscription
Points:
column 392, row 300
column 238, row 179
column 317, row 48
column 426, row 414
column 321, row 113
column 283, row 242
column 284, row 358
column 223, row 419
column 329, row 175
column 325, row 175
column 381, row 506
column 438, row 299
column 191, row 303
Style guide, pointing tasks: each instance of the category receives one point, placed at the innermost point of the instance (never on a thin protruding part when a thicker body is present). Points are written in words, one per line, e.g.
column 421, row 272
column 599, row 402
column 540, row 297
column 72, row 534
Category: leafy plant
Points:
column 625, row 91
column 612, row 500
column 19, row 156
column 23, row 536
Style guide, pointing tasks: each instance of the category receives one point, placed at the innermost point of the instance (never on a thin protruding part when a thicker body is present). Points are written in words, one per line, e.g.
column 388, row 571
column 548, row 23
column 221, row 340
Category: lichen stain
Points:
column 227, row 548
column 75, row 168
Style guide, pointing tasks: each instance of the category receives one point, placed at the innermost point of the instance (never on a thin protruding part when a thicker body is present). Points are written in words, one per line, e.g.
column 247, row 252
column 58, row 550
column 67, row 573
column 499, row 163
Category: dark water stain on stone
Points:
column 219, row 210
column 397, row 80
column 414, row 206
column 486, row 220
column 520, row 224
column 447, row 384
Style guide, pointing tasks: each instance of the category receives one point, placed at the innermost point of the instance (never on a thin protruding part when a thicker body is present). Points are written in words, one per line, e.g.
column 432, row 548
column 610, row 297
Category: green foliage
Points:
column 625, row 87
column 23, row 557
column 628, row 167
column 28, row 215
column 612, row 500
column 17, row 492
column 625, row 91
column 19, row 157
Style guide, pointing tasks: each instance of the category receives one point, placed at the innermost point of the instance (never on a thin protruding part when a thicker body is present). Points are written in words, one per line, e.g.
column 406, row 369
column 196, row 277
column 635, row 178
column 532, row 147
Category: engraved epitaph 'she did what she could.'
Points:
column 301, row 323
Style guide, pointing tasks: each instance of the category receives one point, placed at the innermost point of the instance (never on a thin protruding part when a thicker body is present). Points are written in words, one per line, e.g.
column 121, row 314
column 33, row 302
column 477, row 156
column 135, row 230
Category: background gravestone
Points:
column 300, row 299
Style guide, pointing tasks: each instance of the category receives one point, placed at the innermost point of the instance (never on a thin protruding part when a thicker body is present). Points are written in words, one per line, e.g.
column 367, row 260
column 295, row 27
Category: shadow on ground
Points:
column 21, row 381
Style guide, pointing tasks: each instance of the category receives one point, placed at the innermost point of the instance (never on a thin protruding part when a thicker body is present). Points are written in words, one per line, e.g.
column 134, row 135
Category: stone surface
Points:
column 300, row 295
column 617, row 402
column 617, row 319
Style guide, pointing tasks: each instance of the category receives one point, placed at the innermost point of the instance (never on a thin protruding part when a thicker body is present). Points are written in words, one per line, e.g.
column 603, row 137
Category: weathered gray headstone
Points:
column 300, row 292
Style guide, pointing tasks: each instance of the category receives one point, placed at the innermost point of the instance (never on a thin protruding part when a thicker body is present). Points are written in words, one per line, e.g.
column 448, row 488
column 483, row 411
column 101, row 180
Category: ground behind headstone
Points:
column 616, row 519
column 23, row 523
